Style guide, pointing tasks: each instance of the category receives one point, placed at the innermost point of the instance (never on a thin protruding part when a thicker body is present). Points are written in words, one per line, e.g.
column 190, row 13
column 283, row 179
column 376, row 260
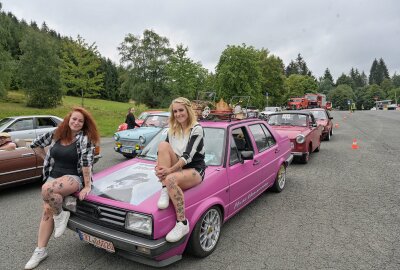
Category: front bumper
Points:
column 127, row 150
column 289, row 160
column 298, row 154
column 127, row 245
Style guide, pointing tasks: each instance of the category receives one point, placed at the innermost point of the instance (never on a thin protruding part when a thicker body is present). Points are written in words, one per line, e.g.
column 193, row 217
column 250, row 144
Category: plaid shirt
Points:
column 84, row 147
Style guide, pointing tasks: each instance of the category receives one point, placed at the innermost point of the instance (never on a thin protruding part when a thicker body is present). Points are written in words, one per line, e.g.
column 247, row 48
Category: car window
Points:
column 214, row 145
column 242, row 140
column 45, row 122
column 262, row 137
column 22, row 124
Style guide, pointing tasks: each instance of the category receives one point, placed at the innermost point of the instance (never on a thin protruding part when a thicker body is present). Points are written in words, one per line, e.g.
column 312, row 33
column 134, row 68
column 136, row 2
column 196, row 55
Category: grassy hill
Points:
column 108, row 114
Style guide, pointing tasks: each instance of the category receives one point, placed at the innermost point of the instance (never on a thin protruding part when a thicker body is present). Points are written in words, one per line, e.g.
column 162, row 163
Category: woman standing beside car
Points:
column 67, row 169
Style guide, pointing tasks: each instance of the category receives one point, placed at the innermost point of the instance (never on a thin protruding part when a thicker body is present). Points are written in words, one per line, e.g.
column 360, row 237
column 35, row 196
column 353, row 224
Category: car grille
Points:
column 105, row 216
column 102, row 213
column 129, row 143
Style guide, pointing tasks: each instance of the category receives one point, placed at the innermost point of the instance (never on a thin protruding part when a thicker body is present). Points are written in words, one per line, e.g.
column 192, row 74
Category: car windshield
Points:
column 320, row 115
column 143, row 115
column 155, row 121
column 311, row 97
column 213, row 142
column 4, row 122
column 288, row 119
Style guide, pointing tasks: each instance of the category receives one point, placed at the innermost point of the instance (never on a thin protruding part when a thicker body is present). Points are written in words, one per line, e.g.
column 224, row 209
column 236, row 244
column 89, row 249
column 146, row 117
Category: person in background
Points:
column 180, row 162
column 67, row 169
column 6, row 143
column 130, row 119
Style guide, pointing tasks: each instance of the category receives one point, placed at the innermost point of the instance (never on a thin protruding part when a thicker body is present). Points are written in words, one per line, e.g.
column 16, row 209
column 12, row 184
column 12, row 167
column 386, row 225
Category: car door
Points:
column 18, row 165
column 243, row 174
column 22, row 128
column 266, row 154
column 315, row 133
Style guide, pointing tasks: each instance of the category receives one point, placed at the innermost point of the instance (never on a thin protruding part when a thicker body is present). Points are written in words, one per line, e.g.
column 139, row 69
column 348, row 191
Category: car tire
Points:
column 280, row 180
column 206, row 234
column 328, row 136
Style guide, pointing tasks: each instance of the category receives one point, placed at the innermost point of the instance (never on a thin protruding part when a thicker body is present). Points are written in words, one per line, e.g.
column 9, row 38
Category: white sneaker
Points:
column 60, row 223
column 38, row 255
column 163, row 201
column 179, row 231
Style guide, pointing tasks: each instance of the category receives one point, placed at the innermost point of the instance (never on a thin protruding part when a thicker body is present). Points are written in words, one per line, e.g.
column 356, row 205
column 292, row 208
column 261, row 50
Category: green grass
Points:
column 108, row 114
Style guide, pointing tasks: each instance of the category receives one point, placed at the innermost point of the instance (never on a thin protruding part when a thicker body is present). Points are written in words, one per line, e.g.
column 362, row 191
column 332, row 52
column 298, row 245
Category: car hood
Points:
column 130, row 185
column 134, row 134
column 291, row 132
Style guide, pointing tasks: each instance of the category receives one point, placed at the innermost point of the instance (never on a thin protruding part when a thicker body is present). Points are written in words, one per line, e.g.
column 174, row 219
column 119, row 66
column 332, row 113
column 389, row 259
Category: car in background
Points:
column 324, row 119
column 269, row 110
column 302, row 130
column 131, row 141
column 144, row 114
column 120, row 214
column 139, row 120
column 29, row 127
column 20, row 166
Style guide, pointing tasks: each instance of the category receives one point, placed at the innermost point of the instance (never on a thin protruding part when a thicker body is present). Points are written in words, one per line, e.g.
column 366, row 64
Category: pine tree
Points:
column 327, row 75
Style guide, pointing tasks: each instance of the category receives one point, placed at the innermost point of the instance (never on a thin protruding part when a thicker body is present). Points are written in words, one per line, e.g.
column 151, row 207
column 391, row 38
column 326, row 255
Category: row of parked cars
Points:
column 244, row 159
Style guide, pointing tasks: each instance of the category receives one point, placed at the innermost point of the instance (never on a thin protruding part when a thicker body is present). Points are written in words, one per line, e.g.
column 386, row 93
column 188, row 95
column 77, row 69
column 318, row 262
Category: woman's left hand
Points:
column 162, row 171
column 85, row 191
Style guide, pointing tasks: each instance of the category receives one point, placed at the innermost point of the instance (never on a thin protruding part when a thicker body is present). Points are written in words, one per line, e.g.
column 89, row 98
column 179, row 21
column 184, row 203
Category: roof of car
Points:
column 38, row 115
column 293, row 112
column 159, row 113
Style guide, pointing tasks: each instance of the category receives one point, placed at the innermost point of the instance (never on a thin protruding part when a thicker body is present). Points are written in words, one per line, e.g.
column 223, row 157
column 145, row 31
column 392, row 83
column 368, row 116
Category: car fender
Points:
column 203, row 206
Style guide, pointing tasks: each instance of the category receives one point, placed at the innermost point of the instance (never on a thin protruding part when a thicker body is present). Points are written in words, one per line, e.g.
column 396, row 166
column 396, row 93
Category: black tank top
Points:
column 65, row 160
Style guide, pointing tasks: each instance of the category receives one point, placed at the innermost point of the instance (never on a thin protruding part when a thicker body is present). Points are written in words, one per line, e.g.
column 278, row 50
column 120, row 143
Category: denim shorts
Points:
column 75, row 177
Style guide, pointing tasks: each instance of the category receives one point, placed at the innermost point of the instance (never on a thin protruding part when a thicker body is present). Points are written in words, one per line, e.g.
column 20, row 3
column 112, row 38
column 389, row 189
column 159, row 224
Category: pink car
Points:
column 120, row 215
column 301, row 128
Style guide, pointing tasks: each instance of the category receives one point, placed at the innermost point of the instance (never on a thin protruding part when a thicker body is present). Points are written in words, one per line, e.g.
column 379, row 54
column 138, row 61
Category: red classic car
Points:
column 301, row 128
column 325, row 120
column 23, row 165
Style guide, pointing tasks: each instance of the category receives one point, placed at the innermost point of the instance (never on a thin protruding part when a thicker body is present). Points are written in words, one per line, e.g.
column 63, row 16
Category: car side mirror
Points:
column 313, row 125
column 246, row 155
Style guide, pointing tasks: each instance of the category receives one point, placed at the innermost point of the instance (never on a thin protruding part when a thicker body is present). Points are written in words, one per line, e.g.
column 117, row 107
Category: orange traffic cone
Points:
column 354, row 145
column 336, row 125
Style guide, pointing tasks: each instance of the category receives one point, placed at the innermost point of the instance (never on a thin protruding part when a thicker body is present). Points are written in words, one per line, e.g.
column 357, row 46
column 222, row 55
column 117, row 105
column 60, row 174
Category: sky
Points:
column 338, row 34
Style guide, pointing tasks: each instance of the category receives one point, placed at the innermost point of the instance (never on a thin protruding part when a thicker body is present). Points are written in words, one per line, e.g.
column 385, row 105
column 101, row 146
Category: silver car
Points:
column 28, row 127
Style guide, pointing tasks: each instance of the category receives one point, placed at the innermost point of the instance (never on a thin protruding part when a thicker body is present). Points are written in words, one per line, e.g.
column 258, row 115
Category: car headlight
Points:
column 139, row 223
column 300, row 138
column 69, row 203
column 116, row 137
column 142, row 139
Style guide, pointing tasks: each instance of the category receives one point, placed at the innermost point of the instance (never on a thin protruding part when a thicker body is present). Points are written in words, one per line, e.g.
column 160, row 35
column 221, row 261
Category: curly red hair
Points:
column 63, row 131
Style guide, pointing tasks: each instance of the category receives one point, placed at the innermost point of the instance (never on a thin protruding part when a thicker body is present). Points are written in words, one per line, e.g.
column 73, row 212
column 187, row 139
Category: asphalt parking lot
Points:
column 339, row 211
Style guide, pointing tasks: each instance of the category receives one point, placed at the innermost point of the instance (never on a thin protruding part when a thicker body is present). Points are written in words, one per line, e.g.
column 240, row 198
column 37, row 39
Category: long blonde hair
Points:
column 174, row 126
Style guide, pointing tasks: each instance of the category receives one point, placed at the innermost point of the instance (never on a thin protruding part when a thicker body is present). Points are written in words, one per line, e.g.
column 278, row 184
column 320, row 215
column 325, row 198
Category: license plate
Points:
column 292, row 145
column 127, row 150
column 97, row 242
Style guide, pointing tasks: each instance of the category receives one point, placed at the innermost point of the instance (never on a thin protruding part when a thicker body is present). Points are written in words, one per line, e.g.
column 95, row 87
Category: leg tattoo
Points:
column 177, row 198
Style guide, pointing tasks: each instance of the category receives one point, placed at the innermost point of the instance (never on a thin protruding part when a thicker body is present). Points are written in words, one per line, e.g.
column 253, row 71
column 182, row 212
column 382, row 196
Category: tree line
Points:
column 47, row 66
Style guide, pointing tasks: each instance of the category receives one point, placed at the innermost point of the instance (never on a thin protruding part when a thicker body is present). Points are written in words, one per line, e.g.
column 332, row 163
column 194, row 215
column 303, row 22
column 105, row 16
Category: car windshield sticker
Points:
column 286, row 116
column 131, row 184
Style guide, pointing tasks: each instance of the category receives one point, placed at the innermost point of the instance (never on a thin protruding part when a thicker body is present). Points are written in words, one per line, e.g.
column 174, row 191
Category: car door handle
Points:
column 27, row 155
column 277, row 150
column 256, row 162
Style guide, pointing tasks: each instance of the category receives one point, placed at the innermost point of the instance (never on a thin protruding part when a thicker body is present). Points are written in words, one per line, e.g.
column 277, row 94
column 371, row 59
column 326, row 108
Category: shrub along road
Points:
column 339, row 211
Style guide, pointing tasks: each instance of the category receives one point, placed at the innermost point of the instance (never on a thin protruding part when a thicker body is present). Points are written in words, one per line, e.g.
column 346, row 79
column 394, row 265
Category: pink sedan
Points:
column 120, row 215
